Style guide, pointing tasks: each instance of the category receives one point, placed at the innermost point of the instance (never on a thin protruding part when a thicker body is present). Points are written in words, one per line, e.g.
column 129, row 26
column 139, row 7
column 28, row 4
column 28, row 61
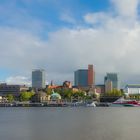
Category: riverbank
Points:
column 20, row 104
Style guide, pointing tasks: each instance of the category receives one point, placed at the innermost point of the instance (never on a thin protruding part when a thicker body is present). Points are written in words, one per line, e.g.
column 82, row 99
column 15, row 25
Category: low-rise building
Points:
column 55, row 96
column 40, row 97
column 100, row 89
column 12, row 89
column 3, row 99
column 67, row 84
column 132, row 89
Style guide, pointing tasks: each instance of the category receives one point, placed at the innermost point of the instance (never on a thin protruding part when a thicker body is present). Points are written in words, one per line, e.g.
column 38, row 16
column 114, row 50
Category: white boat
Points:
column 124, row 102
column 91, row 104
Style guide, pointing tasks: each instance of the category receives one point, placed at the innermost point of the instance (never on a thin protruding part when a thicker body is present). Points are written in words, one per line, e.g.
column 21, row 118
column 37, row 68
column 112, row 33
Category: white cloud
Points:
column 97, row 18
column 113, row 46
column 20, row 80
column 67, row 18
column 126, row 8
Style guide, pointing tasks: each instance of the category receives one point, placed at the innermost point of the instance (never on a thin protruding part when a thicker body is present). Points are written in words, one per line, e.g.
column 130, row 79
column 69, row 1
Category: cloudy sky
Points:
column 62, row 36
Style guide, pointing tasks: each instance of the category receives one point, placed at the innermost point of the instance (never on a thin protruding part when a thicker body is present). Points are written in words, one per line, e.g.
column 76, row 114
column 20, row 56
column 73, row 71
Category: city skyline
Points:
column 87, row 80
column 90, row 68
column 68, row 35
column 28, row 80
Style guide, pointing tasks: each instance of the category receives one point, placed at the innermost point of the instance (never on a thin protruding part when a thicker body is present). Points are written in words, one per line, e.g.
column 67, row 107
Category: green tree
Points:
column 65, row 93
column 88, row 97
column 79, row 94
column 48, row 91
column 134, row 96
column 10, row 97
column 26, row 96
column 114, row 92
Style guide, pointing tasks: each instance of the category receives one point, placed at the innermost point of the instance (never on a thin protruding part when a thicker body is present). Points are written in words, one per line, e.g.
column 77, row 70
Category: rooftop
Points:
column 133, row 86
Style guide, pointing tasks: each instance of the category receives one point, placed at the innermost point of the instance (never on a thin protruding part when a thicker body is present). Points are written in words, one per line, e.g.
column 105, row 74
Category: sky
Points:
column 62, row 36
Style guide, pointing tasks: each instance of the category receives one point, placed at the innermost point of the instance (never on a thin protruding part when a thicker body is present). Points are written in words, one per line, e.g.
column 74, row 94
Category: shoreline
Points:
column 51, row 105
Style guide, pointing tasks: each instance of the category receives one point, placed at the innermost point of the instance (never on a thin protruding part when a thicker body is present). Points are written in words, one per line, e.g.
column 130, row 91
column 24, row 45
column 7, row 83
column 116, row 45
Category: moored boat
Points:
column 91, row 104
column 129, row 103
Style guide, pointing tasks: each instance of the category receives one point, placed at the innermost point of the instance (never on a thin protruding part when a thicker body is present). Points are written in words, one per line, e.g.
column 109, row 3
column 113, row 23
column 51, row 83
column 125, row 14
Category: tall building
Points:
column 108, row 86
column 85, row 77
column 81, row 77
column 38, row 79
column 111, row 81
column 91, row 76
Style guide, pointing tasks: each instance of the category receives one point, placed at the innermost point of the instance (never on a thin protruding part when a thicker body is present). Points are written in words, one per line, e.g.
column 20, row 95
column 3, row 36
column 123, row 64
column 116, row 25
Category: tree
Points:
column 26, row 96
column 65, row 92
column 134, row 96
column 79, row 94
column 111, row 96
column 48, row 91
column 10, row 97
column 114, row 92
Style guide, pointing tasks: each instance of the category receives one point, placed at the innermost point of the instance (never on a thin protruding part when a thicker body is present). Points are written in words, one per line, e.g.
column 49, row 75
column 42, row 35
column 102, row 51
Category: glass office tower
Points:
column 81, row 77
column 38, row 79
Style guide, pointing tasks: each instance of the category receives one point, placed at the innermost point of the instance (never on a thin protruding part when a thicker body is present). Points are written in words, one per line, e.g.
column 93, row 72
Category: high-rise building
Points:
column 108, row 86
column 38, row 79
column 81, row 77
column 85, row 77
column 111, row 81
column 91, row 76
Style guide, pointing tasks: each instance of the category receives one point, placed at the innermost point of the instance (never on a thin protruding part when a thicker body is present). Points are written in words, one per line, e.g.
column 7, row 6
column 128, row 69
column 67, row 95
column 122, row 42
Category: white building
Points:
column 132, row 89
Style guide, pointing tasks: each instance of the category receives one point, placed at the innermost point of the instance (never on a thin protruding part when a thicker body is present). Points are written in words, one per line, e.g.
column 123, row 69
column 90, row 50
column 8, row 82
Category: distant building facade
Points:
column 108, row 86
column 38, row 79
column 12, row 89
column 85, row 77
column 41, row 97
column 100, row 89
column 67, row 84
column 111, row 82
column 91, row 76
column 81, row 77
column 132, row 89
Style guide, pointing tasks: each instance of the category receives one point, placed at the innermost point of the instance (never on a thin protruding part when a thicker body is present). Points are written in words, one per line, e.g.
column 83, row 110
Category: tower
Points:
column 111, row 81
column 85, row 77
column 38, row 79
column 91, row 76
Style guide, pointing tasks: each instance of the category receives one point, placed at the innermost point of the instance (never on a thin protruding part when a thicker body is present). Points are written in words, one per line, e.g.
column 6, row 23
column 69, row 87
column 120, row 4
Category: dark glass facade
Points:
column 81, row 77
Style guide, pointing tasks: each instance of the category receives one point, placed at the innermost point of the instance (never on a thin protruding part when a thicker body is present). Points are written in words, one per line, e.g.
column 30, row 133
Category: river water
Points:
column 108, row 123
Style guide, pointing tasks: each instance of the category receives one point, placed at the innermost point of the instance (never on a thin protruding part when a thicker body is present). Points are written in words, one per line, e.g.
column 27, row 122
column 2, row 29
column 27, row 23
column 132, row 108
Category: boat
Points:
column 77, row 104
column 124, row 102
column 91, row 104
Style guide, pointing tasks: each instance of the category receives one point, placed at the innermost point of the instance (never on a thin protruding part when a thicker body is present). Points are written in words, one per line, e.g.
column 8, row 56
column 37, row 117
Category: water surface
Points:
column 109, row 123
